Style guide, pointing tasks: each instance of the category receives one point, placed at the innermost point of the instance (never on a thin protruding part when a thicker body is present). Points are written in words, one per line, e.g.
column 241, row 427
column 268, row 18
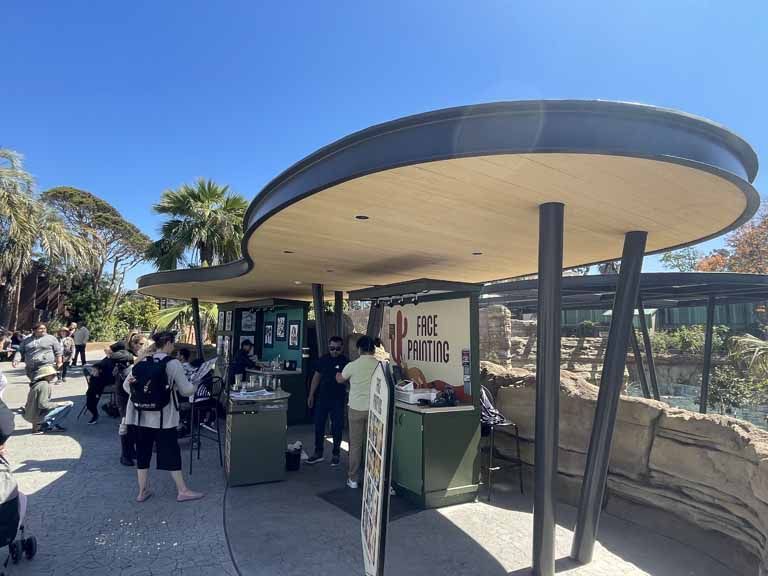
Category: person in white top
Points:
column 358, row 373
column 80, row 336
column 158, row 428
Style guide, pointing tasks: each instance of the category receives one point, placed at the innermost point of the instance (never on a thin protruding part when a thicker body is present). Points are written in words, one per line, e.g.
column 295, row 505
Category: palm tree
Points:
column 29, row 230
column 753, row 352
column 181, row 317
column 205, row 226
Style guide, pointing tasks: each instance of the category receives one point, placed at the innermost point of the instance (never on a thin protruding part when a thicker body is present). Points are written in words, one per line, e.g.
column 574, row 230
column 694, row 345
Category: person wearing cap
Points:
column 39, row 411
column 39, row 349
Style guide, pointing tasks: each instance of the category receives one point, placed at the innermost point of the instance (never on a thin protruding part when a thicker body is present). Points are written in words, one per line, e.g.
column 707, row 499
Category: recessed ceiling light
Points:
column 330, row 270
column 297, row 282
column 287, row 251
column 361, row 217
column 477, row 253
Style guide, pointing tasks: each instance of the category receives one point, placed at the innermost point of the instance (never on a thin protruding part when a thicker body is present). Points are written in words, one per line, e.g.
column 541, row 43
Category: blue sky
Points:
column 126, row 99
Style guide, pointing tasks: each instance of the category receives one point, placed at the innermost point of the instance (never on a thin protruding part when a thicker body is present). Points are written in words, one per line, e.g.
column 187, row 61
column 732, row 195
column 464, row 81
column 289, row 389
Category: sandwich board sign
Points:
column 374, row 516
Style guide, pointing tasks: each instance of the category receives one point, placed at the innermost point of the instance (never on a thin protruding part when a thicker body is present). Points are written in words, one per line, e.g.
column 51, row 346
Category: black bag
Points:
column 150, row 389
column 9, row 521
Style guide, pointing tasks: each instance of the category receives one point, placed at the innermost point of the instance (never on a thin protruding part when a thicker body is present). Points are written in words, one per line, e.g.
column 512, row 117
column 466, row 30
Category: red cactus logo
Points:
column 396, row 344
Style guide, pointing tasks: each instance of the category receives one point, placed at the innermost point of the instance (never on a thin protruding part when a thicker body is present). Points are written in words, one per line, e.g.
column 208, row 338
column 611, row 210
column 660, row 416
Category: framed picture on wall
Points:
column 220, row 323
column 247, row 321
column 281, row 327
column 294, row 334
column 228, row 322
column 269, row 334
column 225, row 346
column 220, row 341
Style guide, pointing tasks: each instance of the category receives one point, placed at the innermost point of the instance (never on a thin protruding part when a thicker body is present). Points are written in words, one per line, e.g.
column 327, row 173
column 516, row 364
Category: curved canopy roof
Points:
column 454, row 194
column 657, row 290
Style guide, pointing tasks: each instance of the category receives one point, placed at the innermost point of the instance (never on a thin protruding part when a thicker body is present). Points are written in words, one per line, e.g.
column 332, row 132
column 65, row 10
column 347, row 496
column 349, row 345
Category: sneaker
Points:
column 351, row 483
column 315, row 458
column 335, row 460
column 59, row 428
column 93, row 420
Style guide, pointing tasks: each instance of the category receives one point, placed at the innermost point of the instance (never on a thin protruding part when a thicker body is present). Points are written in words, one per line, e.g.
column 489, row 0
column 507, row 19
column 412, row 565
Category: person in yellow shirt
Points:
column 358, row 373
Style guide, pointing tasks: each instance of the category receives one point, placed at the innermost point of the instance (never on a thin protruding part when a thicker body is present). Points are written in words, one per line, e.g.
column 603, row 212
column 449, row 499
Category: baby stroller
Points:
column 13, row 504
column 12, row 512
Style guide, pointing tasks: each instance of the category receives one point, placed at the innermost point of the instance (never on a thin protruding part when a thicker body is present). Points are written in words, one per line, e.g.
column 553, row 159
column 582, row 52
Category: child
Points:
column 67, row 349
column 39, row 411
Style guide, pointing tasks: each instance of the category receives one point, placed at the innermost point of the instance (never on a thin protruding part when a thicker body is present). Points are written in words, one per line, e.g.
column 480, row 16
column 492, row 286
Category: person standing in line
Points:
column 80, row 337
column 67, row 350
column 358, row 373
column 328, row 398
column 154, row 425
column 39, row 411
column 124, row 355
column 39, row 349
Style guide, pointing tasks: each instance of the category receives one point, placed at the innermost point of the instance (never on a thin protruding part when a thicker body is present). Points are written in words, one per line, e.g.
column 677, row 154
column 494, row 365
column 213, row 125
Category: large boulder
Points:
column 707, row 469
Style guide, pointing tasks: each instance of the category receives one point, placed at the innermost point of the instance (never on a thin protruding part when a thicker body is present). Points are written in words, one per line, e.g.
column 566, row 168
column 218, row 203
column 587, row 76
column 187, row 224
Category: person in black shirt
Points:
column 328, row 398
column 242, row 360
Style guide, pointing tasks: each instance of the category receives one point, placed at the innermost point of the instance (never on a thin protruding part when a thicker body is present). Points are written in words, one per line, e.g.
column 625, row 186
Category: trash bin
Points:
column 292, row 460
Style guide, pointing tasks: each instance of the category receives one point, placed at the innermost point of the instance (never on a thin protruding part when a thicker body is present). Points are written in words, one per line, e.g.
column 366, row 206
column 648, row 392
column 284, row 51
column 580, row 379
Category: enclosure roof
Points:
column 454, row 194
column 657, row 290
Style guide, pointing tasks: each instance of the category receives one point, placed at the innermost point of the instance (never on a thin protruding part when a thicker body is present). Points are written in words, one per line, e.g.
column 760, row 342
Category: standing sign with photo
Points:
column 374, row 516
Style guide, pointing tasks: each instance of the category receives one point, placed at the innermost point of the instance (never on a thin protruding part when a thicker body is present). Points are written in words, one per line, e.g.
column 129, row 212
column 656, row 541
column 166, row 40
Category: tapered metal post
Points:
column 198, row 327
column 611, row 382
column 338, row 312
column 707, row 355
column 648, row 350
column 375, row 319
column 547, row 386
column 639, row 364
column 318, row 300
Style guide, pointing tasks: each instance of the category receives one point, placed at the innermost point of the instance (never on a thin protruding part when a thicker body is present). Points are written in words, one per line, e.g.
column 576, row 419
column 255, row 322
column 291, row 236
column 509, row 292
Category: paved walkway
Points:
column 82, row 508
column 83, row 512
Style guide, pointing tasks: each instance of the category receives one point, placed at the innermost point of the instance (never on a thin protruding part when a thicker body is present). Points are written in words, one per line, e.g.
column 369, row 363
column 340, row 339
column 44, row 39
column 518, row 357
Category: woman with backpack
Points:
column 153, row 414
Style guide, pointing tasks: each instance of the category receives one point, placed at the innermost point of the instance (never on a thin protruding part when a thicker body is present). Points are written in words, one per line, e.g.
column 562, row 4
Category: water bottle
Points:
column 279, row 386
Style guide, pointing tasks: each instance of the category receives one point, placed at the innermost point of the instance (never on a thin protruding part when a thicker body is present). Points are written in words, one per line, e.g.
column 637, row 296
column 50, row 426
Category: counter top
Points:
column 274, row 397
column 273, row 372
column 433, row 410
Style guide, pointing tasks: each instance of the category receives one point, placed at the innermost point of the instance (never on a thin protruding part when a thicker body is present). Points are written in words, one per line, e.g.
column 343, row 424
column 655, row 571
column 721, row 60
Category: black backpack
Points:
column 150, row 389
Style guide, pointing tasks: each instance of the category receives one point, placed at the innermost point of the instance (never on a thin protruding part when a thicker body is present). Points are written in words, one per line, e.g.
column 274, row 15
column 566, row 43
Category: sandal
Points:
column 144, row 496
column 189, row 496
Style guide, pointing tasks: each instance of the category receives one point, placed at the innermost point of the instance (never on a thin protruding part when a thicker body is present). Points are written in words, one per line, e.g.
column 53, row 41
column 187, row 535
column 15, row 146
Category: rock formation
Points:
column 710, row 470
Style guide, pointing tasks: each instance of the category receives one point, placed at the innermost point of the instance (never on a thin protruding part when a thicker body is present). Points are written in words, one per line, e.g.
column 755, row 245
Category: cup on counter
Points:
column 238, row 381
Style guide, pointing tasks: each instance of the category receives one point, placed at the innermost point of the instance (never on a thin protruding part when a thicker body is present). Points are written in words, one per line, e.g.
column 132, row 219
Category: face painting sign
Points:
column 375, row 510
column 431, row 336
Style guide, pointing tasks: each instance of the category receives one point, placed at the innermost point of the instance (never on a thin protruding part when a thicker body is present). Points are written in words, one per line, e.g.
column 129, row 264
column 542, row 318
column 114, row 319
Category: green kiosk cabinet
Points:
column 431, row 330
column 435, row 460
column 254, row 444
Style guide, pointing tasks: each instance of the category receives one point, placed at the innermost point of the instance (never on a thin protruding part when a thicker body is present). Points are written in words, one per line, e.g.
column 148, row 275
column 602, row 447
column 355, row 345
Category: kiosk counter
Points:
column 433, row 339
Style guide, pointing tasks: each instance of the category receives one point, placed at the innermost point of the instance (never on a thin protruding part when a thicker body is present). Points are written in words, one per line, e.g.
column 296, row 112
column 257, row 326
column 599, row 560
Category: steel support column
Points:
column 338, row 312
column 611, row 382
column 639, row 364
column 198, row 327
column 319, row 303
column 375, row 319
column 547, row 386
column 648, row 350
column 707, row 355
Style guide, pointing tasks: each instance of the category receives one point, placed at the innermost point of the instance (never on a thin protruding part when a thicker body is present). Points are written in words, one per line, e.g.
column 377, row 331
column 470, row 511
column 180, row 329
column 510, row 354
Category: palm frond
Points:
column 753, row 352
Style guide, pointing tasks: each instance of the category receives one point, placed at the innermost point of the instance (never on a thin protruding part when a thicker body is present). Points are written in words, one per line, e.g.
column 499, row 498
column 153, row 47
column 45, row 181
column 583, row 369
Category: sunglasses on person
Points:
column 334, row 348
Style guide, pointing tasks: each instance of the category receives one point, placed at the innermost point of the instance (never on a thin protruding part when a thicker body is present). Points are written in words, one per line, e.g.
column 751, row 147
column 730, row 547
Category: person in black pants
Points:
column 328, row 398
column 98, row 376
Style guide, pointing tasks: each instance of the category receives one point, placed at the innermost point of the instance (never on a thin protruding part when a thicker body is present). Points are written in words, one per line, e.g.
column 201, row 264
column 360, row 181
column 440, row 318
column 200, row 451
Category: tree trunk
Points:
column 5, row 304
column 14, row 320
column 206, row 254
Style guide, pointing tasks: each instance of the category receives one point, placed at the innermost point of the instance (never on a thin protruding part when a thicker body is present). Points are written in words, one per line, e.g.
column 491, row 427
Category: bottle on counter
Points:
column 279, row 385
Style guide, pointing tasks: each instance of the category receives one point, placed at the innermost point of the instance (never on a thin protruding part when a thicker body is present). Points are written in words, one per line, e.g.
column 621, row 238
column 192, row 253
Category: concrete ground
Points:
column 83, row 512
column 284, row 529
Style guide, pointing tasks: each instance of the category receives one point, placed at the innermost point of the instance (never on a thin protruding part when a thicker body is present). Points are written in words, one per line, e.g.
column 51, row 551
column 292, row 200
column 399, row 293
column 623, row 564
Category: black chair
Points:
column 109, row 390
column 491, row 419
column 205, row 401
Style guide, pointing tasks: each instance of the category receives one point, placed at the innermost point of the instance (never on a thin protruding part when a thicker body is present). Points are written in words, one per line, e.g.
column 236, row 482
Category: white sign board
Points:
column 431, row 336
column 375, row 489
